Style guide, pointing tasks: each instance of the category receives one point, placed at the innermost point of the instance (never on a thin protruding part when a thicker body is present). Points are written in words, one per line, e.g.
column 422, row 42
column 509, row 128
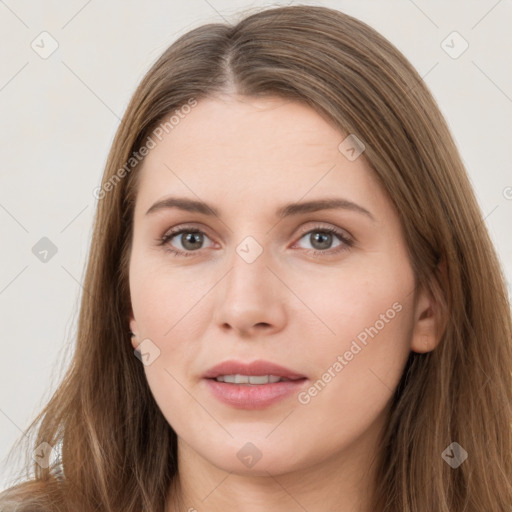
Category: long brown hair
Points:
column 117, row 453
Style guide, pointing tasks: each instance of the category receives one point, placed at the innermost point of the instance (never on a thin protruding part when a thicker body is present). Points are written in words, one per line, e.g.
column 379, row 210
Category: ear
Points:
column 429, row 320
column 134, row 329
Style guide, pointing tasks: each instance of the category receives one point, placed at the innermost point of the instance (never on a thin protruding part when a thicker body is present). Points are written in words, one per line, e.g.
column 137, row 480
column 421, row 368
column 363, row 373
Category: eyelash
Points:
column 347, row 243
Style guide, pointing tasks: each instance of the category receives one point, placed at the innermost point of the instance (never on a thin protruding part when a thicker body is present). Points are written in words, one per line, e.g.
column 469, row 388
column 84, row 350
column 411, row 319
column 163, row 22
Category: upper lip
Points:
column 259, row 367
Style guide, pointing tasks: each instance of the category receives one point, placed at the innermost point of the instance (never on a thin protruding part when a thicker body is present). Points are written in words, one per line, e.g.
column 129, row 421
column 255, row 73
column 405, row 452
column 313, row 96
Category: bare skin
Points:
column 303, row 310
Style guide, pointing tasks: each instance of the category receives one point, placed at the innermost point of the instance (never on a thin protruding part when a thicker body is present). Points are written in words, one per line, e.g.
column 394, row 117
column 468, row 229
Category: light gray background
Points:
column 59, row 116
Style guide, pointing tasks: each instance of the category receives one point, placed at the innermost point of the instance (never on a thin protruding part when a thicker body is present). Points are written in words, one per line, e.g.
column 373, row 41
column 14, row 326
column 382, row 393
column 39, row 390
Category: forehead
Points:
column 260, row 126
column 252, row 148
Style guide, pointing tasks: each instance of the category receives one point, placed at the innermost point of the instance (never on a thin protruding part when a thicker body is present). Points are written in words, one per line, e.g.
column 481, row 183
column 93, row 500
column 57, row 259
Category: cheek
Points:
column 357, row 369
column 162, row 295
column 366, row 317
column 168, row 312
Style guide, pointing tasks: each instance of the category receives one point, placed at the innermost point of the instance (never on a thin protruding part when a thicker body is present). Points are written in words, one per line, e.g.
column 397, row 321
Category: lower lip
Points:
column 255, row 396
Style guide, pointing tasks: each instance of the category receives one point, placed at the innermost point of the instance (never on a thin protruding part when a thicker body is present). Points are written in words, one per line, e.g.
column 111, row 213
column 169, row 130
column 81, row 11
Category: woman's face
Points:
column 327, row 293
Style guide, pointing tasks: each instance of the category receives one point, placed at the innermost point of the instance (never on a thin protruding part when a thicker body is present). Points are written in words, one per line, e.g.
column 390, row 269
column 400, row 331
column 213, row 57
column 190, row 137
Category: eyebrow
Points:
column 191, row 205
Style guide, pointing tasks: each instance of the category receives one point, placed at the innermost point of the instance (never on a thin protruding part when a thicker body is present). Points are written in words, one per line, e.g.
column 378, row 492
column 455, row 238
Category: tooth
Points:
column 241, row 379
column 258, row 379
column 250, row 379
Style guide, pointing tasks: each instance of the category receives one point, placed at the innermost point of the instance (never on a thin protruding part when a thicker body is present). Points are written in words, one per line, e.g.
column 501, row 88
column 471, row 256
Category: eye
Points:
column 321, row 239
column 190, row 240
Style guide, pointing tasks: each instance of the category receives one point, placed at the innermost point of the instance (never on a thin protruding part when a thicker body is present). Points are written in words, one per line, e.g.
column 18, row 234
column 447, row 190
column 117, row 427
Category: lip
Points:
column 259, row 367
column 253, row 396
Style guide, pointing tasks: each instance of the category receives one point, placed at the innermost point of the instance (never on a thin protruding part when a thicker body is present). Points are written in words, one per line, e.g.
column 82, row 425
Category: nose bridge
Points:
column 249, row 295
column 249, row 273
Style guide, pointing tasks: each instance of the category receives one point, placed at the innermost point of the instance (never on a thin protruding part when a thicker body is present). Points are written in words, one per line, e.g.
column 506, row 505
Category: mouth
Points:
column 252, row 386
column 252, row 380
column 238, row 372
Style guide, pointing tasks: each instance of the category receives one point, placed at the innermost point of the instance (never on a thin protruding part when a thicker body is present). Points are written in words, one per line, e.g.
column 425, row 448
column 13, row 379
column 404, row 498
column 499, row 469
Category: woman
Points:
column 287, row 240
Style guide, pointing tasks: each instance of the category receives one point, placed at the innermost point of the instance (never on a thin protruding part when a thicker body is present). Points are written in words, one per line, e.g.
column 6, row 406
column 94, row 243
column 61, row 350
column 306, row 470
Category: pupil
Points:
column 323, row 238
column 190, row 238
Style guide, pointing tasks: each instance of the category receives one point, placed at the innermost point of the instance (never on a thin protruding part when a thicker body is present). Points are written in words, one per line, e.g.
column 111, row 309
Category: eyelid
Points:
column 319, row 225
column 192, row 226
column 304, row 229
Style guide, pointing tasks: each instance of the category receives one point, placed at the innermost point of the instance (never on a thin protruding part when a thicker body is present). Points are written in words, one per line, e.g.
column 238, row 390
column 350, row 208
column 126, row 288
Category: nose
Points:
column 250, row 300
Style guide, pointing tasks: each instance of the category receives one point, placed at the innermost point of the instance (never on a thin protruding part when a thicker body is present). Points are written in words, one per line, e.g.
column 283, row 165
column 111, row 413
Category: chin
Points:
column 246, row 459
